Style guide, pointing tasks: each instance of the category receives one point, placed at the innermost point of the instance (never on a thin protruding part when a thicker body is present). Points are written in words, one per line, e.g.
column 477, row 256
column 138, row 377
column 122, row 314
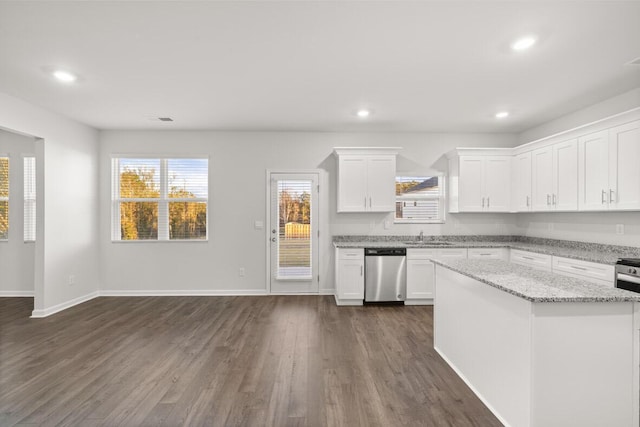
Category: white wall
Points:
column 608, row 107
column 584, row 226
column 67, row 159
column 17, row 258
column 238, row 164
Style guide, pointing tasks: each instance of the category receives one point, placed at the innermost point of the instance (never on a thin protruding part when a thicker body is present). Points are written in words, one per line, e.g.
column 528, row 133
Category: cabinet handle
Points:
column 604, row 197
column 488, row 202
column 483, row 202
column 529, row 258
column 554, row 199
column 361, row 270
column 578, row 268
column 484, row 254
column 611, row 194
column 548, row 199
column 527, row 201
column 369, row 201
column 365, row 202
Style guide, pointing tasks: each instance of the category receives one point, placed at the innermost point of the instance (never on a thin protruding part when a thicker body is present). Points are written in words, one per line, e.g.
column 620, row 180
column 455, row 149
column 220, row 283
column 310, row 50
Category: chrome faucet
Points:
column 421, row 236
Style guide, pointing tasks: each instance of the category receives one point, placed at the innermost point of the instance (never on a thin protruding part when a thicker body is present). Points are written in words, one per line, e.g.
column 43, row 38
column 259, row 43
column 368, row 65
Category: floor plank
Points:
column 227, row 361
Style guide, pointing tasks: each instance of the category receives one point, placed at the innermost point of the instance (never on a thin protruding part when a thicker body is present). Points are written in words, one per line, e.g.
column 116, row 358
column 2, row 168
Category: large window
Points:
column 4, row 198
column 419, row 199
column 159, row 198
column 29, row 199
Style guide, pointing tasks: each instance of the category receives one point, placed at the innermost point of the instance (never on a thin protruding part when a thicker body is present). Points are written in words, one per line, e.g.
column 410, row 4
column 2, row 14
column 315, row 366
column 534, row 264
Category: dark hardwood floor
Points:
column 227, row 361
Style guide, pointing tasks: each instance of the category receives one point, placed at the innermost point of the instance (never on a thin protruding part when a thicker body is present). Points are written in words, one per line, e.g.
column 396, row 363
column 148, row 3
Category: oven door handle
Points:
column 627, row 278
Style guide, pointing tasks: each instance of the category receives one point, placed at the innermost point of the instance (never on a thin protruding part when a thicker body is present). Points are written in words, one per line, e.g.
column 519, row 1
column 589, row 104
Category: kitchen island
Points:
column 538, row 348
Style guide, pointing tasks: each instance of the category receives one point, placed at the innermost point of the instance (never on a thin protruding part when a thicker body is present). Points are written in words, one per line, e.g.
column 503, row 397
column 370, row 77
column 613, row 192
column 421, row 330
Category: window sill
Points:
column 408, row 221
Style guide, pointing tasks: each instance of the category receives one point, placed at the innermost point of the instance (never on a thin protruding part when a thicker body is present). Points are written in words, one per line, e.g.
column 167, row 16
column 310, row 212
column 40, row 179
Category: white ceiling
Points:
column 306, row 65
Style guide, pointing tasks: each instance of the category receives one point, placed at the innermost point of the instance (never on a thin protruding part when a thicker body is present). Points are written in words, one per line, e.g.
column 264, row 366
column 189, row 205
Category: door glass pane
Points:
column 294, row 229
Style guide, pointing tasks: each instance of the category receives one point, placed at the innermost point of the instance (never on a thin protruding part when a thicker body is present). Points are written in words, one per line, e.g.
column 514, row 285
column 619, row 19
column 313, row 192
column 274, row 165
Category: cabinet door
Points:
column 624, row 166
column 593, row 171
column 352, row 184
column 381, row 183
column 420, row 279
column 565, row 176
column 542, row 179
column 471, row 188
column 497, row 182
column 350, row 283
column 522, row 192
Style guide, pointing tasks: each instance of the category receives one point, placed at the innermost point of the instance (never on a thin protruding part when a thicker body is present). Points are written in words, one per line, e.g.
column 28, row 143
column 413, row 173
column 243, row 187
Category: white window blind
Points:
column 4, row 198
column 29, row 172
column 159, row 198
column 419, row 199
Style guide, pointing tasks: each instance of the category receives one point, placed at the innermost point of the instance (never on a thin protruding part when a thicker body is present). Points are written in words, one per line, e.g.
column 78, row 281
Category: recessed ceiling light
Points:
column 65, row 76
column 363, row 113
column 502, row 114
column 524, row 43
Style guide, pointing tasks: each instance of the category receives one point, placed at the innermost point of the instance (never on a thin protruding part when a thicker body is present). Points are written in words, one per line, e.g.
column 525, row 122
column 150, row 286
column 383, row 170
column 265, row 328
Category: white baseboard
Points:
column 330, row 291
column 63, row 306
column 181, row 293
column 11, row 294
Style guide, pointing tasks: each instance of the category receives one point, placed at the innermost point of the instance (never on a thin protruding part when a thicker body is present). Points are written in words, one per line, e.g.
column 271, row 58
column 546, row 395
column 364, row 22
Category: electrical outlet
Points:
column 72, row 279
column 387, row 224
column 619, row 228
column 241, row 272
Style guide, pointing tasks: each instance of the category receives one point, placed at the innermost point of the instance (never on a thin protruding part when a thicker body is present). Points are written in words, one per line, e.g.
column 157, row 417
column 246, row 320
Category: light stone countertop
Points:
column 535, row 285
column 603, row 254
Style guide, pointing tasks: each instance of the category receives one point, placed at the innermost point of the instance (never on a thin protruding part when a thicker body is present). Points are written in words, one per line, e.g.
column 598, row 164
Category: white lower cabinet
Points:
column 420, row 276
column 592, row 272
column 349, row 276
column 530, row 259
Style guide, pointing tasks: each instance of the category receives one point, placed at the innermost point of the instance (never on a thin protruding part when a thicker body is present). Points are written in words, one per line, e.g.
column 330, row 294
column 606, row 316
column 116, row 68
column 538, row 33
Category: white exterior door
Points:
column 293, row 233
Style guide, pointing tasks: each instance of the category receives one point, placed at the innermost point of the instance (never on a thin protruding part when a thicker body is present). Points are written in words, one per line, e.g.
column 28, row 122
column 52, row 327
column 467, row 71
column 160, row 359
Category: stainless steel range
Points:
column 628, row 274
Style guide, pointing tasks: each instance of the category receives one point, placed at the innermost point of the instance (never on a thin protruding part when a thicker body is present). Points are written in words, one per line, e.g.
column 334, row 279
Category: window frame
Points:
column 441, row 197
column 162, row 201
column 7, row 199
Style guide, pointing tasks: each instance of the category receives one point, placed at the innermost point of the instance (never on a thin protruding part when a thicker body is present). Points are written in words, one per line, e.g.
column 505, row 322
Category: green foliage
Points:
column 139, row 220
column 294, row 208
column 403, row 187
column 4, row 192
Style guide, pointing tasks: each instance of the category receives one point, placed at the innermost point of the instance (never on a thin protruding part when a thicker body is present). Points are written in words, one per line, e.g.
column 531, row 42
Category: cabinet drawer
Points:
column 593, row 272
column 355, row 253
column 421, row 253
column 487, row 253
column 531, row 259
column 451, row 253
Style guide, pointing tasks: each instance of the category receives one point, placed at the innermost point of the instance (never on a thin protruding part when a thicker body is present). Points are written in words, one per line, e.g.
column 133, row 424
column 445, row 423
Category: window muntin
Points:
column 159, row 199
column 419, row 199
column 29, row 172
column 4, row 198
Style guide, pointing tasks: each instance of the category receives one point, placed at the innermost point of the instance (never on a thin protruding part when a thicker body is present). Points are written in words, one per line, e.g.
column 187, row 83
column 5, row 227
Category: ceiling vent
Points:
column 634, row 62
column 165, row 119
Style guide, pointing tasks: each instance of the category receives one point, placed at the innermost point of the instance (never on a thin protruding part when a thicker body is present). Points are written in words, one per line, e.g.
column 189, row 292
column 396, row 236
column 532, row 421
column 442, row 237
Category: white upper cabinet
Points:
column 624, row 169
column 482, row 183
column 555, row 177
column 522, row 179
column 366, row 179
column 608, row 169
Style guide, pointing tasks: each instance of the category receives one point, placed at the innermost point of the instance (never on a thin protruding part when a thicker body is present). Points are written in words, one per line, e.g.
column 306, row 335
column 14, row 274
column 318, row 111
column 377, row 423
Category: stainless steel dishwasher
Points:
column 385, row 274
